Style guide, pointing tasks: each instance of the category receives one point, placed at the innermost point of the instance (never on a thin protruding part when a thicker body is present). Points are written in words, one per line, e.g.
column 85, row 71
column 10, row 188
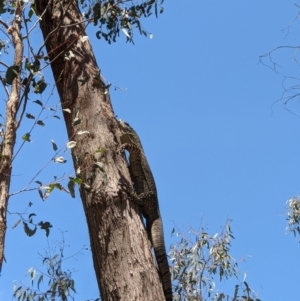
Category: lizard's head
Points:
column 127, row 131
column 125, row 127
column 128, row 134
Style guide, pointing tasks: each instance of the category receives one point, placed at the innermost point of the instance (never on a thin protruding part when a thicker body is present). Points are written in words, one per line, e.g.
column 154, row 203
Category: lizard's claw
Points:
column 125, row 186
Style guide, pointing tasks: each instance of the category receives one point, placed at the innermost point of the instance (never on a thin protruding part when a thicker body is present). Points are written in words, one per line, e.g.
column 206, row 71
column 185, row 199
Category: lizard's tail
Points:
column 158, row 242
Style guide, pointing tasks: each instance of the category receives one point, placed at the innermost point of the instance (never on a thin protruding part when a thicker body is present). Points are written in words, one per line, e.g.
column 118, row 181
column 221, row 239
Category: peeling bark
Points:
column 122, row 256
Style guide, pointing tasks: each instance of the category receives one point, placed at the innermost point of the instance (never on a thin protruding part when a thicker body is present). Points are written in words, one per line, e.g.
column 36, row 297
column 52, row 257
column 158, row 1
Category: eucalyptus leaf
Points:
column 71, row 144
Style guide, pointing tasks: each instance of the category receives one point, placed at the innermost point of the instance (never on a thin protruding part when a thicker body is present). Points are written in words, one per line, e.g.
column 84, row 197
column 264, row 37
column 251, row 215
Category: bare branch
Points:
column 3, row 24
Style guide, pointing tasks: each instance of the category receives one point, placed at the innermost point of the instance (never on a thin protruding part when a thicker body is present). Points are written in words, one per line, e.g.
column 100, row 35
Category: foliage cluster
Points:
column 197, row 260
column 111, row 16
column 59, row 282
column 293, row 215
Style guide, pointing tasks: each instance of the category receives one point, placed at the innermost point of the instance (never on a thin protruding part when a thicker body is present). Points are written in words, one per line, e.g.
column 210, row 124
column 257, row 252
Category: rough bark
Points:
column 122, row 257
column 9, row 136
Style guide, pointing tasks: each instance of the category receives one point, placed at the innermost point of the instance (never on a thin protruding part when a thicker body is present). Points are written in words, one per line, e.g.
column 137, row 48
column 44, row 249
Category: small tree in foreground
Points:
column 55, row 283
column 196, row 263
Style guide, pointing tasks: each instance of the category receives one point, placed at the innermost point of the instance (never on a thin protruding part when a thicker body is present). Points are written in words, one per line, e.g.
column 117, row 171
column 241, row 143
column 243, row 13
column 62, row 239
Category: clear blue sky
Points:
column 218, row 144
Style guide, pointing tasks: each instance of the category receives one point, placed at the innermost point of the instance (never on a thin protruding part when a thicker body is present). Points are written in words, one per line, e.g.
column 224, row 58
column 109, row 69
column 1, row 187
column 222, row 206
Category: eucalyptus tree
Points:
column 124, row 266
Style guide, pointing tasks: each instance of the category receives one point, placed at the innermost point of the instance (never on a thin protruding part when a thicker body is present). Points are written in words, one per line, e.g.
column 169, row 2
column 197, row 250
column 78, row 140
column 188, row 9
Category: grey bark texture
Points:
column 123, row 262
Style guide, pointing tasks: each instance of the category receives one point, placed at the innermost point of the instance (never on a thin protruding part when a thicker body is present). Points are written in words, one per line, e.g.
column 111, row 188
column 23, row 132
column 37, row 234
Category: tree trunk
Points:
column 122, row 256
column 10, row 130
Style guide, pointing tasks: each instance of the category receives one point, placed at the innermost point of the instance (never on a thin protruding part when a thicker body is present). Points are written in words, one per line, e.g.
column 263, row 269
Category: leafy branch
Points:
column 196, row 261
column 60, row 282
column 113, row 16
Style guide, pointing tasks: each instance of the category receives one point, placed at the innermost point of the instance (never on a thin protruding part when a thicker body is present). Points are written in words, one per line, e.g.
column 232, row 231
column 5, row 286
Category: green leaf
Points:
column 40, row 122
column 96, row 12
column 98, row 34
column 137, row 22
column 60, row 160
column 220, row 297
column 11, row 73
column 71, row 144
column 40, row 86
column 53, row 289
column 24, row 296
column 16, row 290
column 76, row 180
column 38, row 102
column 48, row 191
column 41, row 194
column 16, row 224
column 51, row 187
column 101, row 150
column 45, row 226
column 32, row 272
column 30, row 13
column 54, row 146
column 31, row 215
column 28, row 231
column 39, row 281
column 35, row 66
column 148, row 9
column 2, row 9
column 26, row 137
column 235, row 292
column 67, row 110
column 72, row 285
column 76, row 121
column 25, row 81
column 30, row 116
column 126, row 32
column 247, row 286
column 71, row 186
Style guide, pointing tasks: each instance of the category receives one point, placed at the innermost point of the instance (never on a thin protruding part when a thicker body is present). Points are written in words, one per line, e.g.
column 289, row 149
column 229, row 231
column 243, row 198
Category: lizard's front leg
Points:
column 141, row 199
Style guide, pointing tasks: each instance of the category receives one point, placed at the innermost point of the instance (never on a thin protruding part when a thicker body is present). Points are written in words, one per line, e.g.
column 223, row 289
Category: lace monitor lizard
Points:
column 146, row 196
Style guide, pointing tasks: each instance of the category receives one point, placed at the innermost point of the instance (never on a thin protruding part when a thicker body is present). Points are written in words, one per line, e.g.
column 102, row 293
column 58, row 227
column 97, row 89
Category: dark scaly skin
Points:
column 146, row 196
